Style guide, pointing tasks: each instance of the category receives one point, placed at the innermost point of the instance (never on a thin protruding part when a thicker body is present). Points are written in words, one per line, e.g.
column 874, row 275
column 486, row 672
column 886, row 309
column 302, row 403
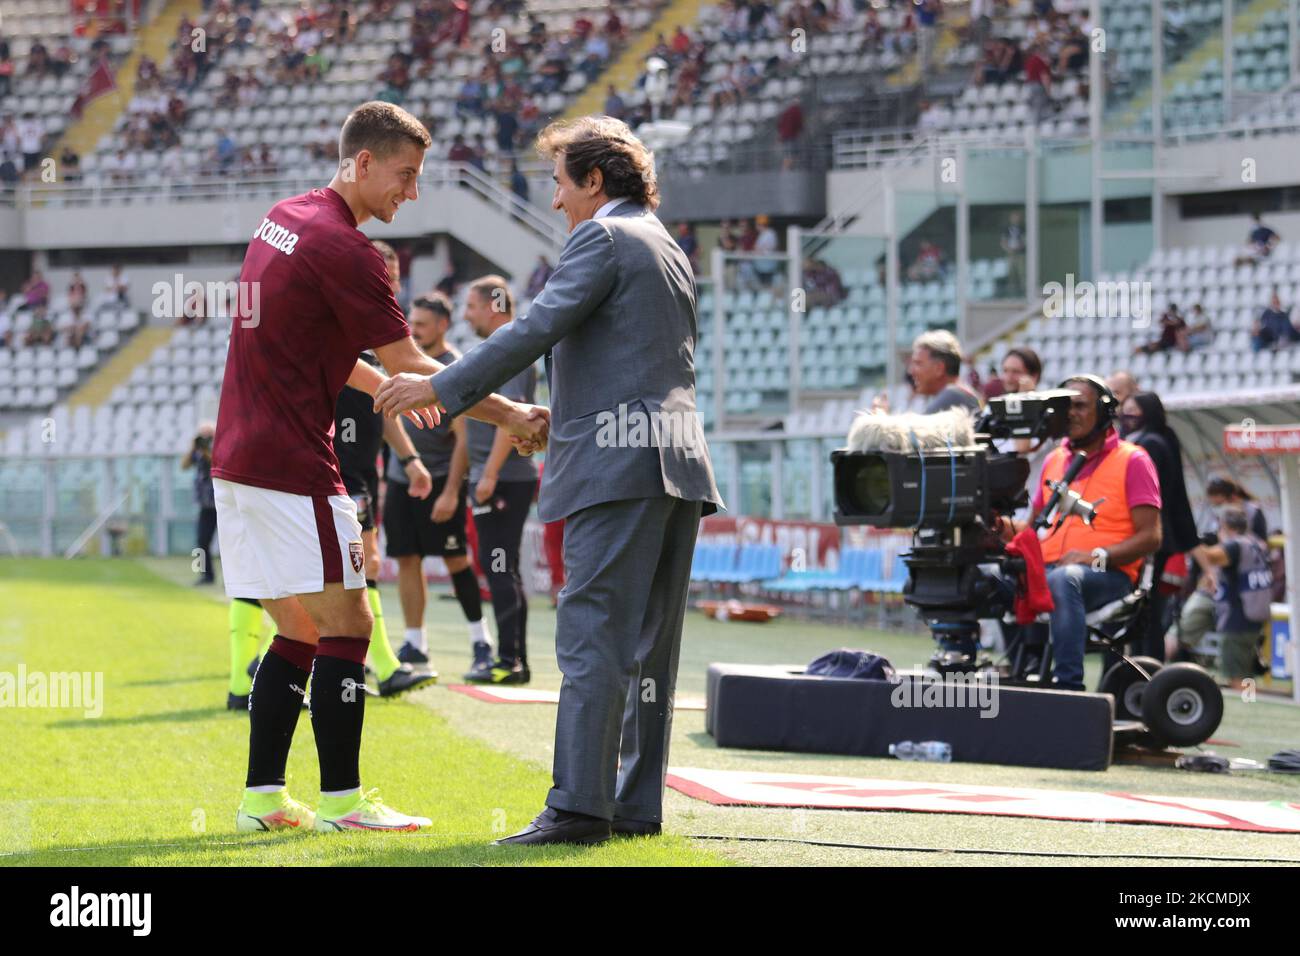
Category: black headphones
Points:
column 1107, row 403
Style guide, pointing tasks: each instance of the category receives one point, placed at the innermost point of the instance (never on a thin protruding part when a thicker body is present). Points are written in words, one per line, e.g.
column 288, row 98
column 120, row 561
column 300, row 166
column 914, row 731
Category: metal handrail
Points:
column 232, row 188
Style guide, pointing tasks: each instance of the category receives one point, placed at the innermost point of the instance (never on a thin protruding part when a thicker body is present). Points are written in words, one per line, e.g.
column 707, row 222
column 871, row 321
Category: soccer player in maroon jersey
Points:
column 314, row 295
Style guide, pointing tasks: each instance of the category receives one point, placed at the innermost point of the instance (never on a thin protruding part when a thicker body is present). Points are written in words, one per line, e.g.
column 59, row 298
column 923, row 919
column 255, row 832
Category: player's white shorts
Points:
column 275, row 544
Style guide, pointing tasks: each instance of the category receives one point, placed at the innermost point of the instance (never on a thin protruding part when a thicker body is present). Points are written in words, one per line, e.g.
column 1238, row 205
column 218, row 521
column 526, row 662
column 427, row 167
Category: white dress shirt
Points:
column 606, row 209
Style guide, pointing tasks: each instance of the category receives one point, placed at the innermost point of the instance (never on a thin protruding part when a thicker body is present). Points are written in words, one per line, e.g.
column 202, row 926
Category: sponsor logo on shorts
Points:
column 357, row 554
column 451, row 542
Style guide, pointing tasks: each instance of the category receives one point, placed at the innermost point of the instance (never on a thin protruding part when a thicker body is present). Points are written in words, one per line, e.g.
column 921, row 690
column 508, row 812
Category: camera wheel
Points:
column 1182, row 705
column 1126, row 684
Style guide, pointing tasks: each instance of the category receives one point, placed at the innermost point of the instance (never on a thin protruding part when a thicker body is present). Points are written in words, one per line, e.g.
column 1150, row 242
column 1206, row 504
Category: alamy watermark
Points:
column 661, row 429
column 1098, row 300
column 977, row 690
column 213, row 299
column 57, row 690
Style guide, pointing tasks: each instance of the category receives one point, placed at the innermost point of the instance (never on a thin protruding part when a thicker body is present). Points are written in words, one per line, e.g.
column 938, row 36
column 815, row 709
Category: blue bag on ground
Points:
column 862, row 665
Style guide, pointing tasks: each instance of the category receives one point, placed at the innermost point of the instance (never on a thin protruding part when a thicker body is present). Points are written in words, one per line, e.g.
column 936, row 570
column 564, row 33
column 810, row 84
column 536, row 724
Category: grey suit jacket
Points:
column 617, row 324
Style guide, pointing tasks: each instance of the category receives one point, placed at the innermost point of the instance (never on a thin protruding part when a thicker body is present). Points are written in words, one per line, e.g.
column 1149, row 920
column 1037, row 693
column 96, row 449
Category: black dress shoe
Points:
column 635, row 828
column 559, row 826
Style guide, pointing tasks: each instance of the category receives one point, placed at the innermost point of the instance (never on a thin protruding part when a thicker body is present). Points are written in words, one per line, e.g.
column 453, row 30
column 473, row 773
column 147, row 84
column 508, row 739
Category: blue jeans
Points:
column 1077, row 589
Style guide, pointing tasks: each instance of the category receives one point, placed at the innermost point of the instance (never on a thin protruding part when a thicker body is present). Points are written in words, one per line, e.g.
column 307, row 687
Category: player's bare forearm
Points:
column 398, row 440
column 366, row 378
column 459, row 455
column 501, row 447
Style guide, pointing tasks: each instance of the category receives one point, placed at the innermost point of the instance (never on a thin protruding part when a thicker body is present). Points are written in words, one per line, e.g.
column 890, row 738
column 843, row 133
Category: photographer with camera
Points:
column 1243, row 588
column 199, row 457
column 1090, row 565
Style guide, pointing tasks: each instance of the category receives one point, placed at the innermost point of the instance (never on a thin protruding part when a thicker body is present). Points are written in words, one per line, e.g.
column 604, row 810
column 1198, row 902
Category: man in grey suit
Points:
column 627, row 468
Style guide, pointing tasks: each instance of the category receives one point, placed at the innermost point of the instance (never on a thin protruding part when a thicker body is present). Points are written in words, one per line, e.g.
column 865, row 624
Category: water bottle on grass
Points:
column 927, row 751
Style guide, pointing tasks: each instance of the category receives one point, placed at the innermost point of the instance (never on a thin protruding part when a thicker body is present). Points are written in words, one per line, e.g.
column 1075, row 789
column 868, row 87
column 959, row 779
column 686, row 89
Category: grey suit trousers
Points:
column 617, row 637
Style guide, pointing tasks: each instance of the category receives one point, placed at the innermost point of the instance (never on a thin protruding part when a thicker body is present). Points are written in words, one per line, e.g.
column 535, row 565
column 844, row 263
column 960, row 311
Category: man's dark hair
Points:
column 607, row 144
column 1222, row 487
column 435, row 302
column 382, row 128
column 1029, row 358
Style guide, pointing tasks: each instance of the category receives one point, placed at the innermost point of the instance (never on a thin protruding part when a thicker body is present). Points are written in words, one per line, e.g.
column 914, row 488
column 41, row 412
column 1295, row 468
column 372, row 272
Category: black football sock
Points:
column 273, row 708
column 338, row 707
column 465, row 583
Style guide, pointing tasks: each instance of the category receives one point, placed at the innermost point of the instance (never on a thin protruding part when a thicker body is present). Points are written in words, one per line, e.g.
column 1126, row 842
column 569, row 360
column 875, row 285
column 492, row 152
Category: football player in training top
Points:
column 413, row 529
column 289, row 531
column 358, row 432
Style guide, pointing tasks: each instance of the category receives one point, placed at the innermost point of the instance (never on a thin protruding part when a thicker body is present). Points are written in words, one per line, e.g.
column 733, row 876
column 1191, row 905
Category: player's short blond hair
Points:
column 382, row 128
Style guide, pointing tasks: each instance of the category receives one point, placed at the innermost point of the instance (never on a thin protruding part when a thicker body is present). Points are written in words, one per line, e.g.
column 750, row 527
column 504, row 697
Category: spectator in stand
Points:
column 1013, row 247
column 36, row 292
column 928, row 118
column 1073, row 57
column 928, row 264
column 681, row 44
column 1198, row 333
column 1259, row 244
column 537, row 278
column 69, row 165
column 31, row 134
column 225, row 153
column 687, row 242
column 76, row 292
column 479, row 148
column 928, row 13
column 460, row 152
column 935, row 371
column 1143, row 421
column 507, row 127
column 1038, row 77
column 1172, row 328
column 41, row 330
column 823, row 283
column 1274, row 328
column 518, row 181
column 789, row 128
column 766, row 243
column 6, row 69
column 614, row 105
column 116, row 286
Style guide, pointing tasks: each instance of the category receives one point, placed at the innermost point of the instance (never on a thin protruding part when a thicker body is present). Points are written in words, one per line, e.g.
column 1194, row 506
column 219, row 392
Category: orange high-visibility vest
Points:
column 1114, row 520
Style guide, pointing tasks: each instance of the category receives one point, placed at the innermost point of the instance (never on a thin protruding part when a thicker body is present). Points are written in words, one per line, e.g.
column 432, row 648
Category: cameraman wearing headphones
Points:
column 1088, row 566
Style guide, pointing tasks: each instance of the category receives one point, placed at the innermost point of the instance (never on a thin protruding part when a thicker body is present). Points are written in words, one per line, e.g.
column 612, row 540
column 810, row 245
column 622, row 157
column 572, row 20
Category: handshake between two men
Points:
column 411, row 392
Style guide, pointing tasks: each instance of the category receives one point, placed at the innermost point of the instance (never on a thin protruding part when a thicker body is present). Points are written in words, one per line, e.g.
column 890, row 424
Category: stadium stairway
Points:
column 910, row 74
column 625, row 69
column 96, row 390
column 1245, row 21
column 153, row 40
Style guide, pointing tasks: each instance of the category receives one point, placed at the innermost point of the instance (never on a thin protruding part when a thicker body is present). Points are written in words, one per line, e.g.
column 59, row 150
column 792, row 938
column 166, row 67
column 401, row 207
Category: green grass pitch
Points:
column 156, row 778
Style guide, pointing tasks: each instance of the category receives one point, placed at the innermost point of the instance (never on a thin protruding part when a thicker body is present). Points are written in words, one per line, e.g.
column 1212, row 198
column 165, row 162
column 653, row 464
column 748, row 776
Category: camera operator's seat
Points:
column 1114, row 625
column 1110, row 627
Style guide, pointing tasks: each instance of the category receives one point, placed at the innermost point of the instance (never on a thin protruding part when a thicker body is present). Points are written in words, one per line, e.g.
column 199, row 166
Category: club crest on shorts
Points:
column 357, row 554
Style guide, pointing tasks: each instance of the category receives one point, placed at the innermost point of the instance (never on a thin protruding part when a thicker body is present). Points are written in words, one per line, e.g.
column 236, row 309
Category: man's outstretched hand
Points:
column 530, row 429
column 404, row 393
